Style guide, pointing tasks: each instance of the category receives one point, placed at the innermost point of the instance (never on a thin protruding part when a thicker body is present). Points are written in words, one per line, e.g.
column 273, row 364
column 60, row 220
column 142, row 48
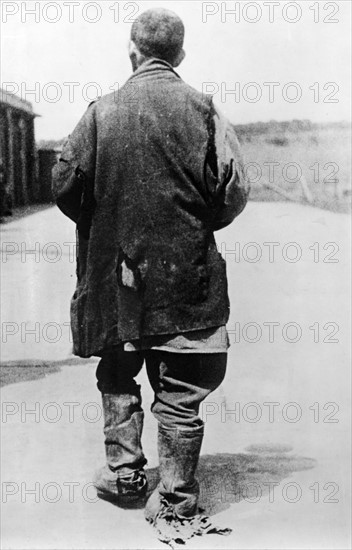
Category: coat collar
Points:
column 153, row 65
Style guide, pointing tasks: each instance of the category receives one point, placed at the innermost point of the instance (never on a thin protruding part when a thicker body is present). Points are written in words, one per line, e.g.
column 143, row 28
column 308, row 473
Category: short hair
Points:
column 158, row 33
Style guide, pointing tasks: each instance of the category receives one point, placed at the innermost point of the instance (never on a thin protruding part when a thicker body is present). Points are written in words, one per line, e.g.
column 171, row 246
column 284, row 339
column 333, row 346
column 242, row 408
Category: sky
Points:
column 261, row 60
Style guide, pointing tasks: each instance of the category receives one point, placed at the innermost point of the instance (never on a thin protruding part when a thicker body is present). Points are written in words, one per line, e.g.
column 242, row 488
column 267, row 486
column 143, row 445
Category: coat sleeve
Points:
column 73, row 175
column 225, row 177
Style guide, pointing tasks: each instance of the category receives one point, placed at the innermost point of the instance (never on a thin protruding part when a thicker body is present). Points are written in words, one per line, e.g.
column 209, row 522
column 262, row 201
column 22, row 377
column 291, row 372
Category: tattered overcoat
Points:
column 149, row 173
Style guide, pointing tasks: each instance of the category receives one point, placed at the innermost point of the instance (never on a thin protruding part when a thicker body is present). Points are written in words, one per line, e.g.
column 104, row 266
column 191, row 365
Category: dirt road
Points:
column 275, row 460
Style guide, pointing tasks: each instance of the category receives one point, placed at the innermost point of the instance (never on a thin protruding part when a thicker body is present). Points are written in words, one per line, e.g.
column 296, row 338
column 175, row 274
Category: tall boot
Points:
column 123, row 476
column 172, row 508
column 178, row 459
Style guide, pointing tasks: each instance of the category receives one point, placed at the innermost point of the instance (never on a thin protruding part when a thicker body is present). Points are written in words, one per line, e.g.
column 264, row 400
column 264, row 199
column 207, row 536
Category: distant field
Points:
column 320, row 154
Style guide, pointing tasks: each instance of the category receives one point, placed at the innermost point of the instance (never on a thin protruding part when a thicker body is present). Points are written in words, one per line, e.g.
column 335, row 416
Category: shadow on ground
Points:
column 26, row 370
column 226, row 478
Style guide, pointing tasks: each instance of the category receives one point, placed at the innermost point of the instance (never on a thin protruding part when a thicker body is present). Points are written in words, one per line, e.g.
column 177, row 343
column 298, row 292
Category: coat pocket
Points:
column 175, row 281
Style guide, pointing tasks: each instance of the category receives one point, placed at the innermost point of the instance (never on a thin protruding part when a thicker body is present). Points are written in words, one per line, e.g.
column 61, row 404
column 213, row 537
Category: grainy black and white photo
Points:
column 175, row 221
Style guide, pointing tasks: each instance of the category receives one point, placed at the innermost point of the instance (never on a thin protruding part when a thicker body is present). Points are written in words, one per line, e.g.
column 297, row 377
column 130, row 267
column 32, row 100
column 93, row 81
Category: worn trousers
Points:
column 180, row 381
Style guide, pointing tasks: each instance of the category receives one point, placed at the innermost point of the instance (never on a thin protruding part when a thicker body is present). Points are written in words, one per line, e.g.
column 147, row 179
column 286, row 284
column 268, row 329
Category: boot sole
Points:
column 111, row 497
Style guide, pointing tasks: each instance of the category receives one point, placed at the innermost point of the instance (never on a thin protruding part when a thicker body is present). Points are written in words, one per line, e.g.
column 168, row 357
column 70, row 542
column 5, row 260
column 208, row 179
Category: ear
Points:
column 135, row 55
column 132, row 49
column 179, row 58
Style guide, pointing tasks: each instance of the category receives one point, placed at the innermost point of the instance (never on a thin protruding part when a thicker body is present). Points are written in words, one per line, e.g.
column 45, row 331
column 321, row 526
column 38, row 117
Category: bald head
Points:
column 159, row 33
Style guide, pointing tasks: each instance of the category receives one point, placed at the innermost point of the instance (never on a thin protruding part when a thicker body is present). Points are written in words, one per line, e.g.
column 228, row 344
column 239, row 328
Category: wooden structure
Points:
column 19, row 184
column 47, row 158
